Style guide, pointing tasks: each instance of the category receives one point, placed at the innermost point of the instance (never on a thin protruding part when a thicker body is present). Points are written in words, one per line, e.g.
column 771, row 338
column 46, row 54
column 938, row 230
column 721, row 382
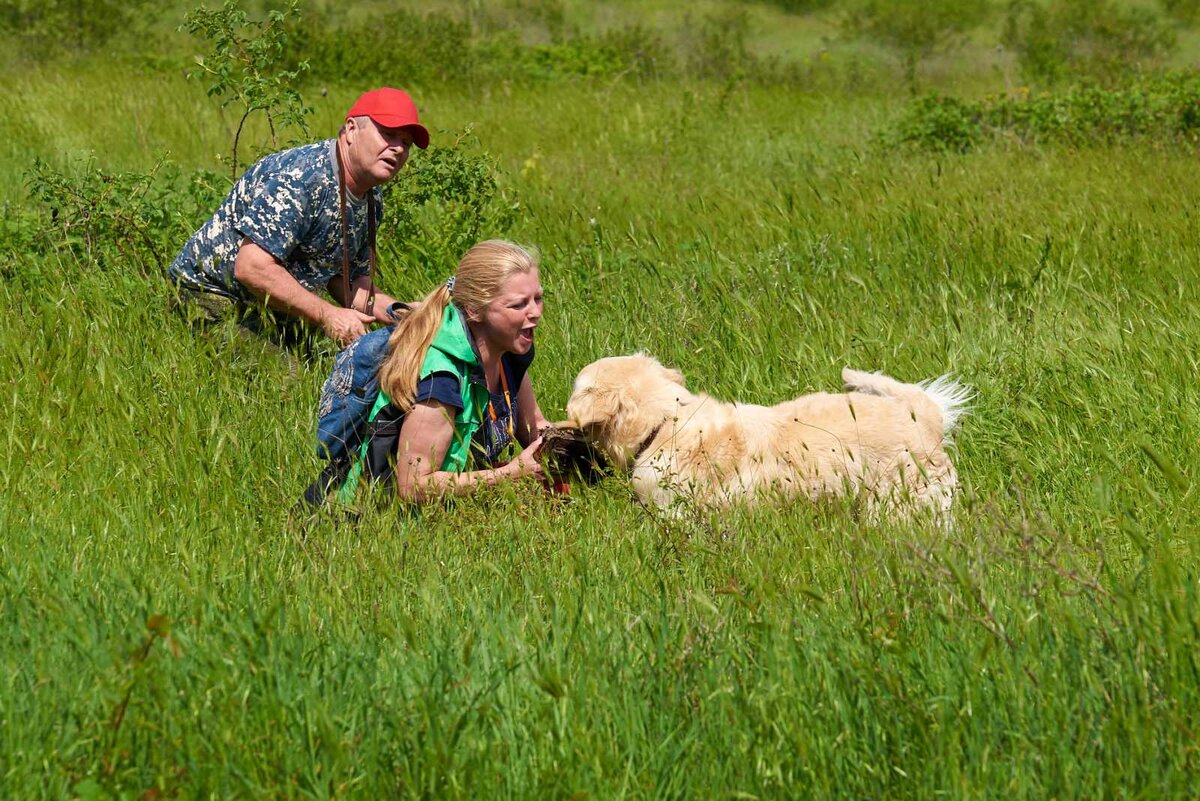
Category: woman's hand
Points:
column 526, row 463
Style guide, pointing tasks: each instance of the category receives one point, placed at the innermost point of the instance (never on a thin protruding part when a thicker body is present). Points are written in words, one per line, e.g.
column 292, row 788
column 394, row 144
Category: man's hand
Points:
column 344, row 325
column 360, row 291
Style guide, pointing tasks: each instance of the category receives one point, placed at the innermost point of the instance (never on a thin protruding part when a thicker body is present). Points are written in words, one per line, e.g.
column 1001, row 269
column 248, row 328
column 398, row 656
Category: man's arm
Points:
column 266, row 278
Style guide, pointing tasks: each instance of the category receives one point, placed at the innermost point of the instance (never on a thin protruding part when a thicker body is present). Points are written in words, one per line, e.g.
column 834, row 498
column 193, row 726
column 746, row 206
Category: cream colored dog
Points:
column 881, row 441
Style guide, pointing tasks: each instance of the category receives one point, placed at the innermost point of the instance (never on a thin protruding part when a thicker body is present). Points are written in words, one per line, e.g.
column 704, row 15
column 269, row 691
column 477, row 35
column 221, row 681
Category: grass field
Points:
column 169, row 628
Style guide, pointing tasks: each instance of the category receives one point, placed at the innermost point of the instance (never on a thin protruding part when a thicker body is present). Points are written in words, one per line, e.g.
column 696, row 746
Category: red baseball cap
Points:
column 391, row 108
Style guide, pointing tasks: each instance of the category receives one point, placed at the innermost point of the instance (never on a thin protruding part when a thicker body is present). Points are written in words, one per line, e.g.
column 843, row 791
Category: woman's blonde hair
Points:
column 477, row 281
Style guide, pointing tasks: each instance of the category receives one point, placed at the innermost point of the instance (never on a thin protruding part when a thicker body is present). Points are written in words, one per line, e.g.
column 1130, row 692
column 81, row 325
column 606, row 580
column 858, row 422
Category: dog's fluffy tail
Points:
column 949, row 397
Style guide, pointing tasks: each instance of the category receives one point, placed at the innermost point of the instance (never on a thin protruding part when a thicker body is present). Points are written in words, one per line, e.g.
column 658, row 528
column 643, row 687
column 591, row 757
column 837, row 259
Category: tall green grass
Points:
column 170, row 626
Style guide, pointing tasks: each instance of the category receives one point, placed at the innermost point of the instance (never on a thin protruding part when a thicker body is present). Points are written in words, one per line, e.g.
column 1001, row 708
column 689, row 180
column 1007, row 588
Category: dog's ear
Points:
column 675, row 376
column 593, row 407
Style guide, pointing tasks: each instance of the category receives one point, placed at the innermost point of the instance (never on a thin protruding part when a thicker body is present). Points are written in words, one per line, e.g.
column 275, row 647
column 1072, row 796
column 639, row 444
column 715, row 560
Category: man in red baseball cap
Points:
column 304, row 220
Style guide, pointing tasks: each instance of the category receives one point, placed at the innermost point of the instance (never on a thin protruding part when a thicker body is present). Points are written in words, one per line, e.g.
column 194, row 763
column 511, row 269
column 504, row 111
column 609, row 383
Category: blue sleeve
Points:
column 278, row 217
column 441, row 387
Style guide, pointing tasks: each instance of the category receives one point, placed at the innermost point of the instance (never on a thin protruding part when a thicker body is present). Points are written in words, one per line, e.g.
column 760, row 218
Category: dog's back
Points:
column 883, row 438
column 942, row 397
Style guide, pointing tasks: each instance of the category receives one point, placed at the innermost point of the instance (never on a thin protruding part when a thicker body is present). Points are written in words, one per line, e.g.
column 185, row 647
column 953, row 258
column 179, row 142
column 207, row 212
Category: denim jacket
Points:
column 348, row 396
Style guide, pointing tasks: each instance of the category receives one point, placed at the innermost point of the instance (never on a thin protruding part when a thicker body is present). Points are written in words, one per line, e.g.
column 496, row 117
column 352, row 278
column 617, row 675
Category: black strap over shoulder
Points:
column 379, row 465
column 332, row 476
column 382, row 437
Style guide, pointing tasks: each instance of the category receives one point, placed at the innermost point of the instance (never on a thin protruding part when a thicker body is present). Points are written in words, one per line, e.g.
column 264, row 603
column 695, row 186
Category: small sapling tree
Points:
column 246, row 66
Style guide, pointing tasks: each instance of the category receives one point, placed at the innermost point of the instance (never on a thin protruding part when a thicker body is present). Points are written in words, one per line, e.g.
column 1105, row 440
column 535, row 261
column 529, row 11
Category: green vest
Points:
column 450, row 352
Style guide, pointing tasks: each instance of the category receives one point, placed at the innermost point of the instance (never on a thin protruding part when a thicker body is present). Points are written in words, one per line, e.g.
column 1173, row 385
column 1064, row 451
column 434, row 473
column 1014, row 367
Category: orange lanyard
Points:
column 507, row 400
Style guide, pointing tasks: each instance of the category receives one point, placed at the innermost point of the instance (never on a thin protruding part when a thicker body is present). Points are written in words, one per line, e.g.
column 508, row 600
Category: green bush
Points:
column 715, row 45
column 1185, row 11
column 21, row 241
column 48, row 28
column 1166, row 109
column 801, row 6
column 117, row 221
column 635, row 51
column 433, row 48
column 1098, row 39
column 444, row 202
column 942, row 123
column 407, row 48
column 247, row 68
column 916, row 29
column 400, row 47
column 542, row 20
column 642, row 51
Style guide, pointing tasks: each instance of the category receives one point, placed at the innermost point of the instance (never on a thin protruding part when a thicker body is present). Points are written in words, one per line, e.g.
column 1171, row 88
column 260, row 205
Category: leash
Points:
column 370, row 307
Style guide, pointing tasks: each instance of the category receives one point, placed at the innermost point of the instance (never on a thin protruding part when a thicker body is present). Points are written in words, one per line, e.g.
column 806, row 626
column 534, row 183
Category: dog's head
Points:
column 620, row 400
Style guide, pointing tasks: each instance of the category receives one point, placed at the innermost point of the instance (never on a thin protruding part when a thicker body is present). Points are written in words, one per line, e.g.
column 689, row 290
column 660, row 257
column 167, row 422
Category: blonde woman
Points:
column 454, row 386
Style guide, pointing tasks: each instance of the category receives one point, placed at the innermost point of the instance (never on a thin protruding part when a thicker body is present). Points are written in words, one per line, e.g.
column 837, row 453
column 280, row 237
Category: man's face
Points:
column 376, row 153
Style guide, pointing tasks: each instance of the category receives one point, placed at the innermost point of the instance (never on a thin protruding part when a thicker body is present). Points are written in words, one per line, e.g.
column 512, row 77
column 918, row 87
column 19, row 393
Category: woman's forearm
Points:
column 443, row 483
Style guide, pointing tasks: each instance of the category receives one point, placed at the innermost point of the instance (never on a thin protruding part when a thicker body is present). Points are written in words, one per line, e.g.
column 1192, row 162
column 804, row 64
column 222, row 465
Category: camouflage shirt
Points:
column 287, row 204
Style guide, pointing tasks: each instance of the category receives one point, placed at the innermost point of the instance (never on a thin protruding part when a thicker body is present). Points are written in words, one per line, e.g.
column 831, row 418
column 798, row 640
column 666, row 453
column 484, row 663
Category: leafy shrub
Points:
column 547, row 17
column 434, row 48
column 400, row 47
column 20, row 237
column 801, row 6
column 408, row 48
column 1166, row 109
column 642, row 51
column 941, row 122
column 1185, row 11
column 444, row 202
column 575, row 57
column 633, row 51
column 715, row 47
column 502, row 57
column 119, row 221
column 915, row 28
column 1099, row 39
column 46, row 28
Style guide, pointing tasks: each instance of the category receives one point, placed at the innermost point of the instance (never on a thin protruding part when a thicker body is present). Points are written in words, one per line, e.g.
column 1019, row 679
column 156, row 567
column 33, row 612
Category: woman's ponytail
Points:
column 408, row 346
